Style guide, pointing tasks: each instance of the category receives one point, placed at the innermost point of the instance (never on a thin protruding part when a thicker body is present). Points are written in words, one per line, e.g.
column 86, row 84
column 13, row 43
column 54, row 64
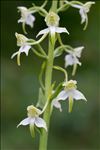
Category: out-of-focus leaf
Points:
column 41, row 99
column 39, row 130
column 58, row 51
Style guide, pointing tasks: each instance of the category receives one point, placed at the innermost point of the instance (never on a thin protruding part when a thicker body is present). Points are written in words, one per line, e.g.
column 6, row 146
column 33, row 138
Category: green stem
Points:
column 74, row 69
column 48, row 84
column 40, row 40
column 41, row 49
column 48, row 78
column 63, row 8
column 54, row 5
column 41, row 75
column 44, row 4
column 38, row 54
column 62, row 70
column 38, row 46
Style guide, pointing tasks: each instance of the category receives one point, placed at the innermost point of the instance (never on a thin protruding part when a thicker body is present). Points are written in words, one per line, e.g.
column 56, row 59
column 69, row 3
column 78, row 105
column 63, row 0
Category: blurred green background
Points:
column 79, row 130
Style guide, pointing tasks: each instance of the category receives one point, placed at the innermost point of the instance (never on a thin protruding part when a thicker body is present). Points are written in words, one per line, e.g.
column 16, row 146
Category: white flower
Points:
column 83, row 10
column 24, row 47
column 73, row 56
column 33, row 118
column 57, row 104
column 52, row 21
column 26, row 16
column 70, row 92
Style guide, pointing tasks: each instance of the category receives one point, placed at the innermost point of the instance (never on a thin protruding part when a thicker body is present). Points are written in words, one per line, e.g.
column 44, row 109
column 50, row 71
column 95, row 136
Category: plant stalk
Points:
column 48, row 83
column 48, row 78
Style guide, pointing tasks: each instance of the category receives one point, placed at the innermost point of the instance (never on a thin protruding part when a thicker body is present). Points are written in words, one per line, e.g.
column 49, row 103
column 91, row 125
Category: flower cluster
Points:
column 51, row 94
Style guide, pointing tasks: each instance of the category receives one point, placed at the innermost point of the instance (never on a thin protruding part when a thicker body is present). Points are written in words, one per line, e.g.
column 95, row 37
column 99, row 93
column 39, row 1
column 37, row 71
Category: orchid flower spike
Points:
column 24, row 46
column 26, row 17
column 52, row 21
column 70, row 92
column 33, row 119
column 83, row 10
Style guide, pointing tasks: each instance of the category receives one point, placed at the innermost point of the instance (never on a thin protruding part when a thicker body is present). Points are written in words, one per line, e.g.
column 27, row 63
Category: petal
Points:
column 39, row 122
column 62, row 95
column 52, row 29
column 30, row 19
column 14, row 55
column 76, row 61
column 61, row 30
column 32, row 121
column 21, row 8
column 25, row 49
column 78, row 95
column 69, row 60
column 24, row 122
column 87, row 6
column 21, row 20
column 83, row 15
column 57, row 104
column 76, row 6
column 78, row 51
column 43, row 32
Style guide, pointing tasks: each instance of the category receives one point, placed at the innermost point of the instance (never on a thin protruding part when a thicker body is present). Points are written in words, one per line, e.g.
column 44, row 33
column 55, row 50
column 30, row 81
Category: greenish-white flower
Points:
column 83, row 10
column 73, row 56
column 24, row 47
column 33, row 118
column 52, row 21
column 69, row 92
column 26, row 16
